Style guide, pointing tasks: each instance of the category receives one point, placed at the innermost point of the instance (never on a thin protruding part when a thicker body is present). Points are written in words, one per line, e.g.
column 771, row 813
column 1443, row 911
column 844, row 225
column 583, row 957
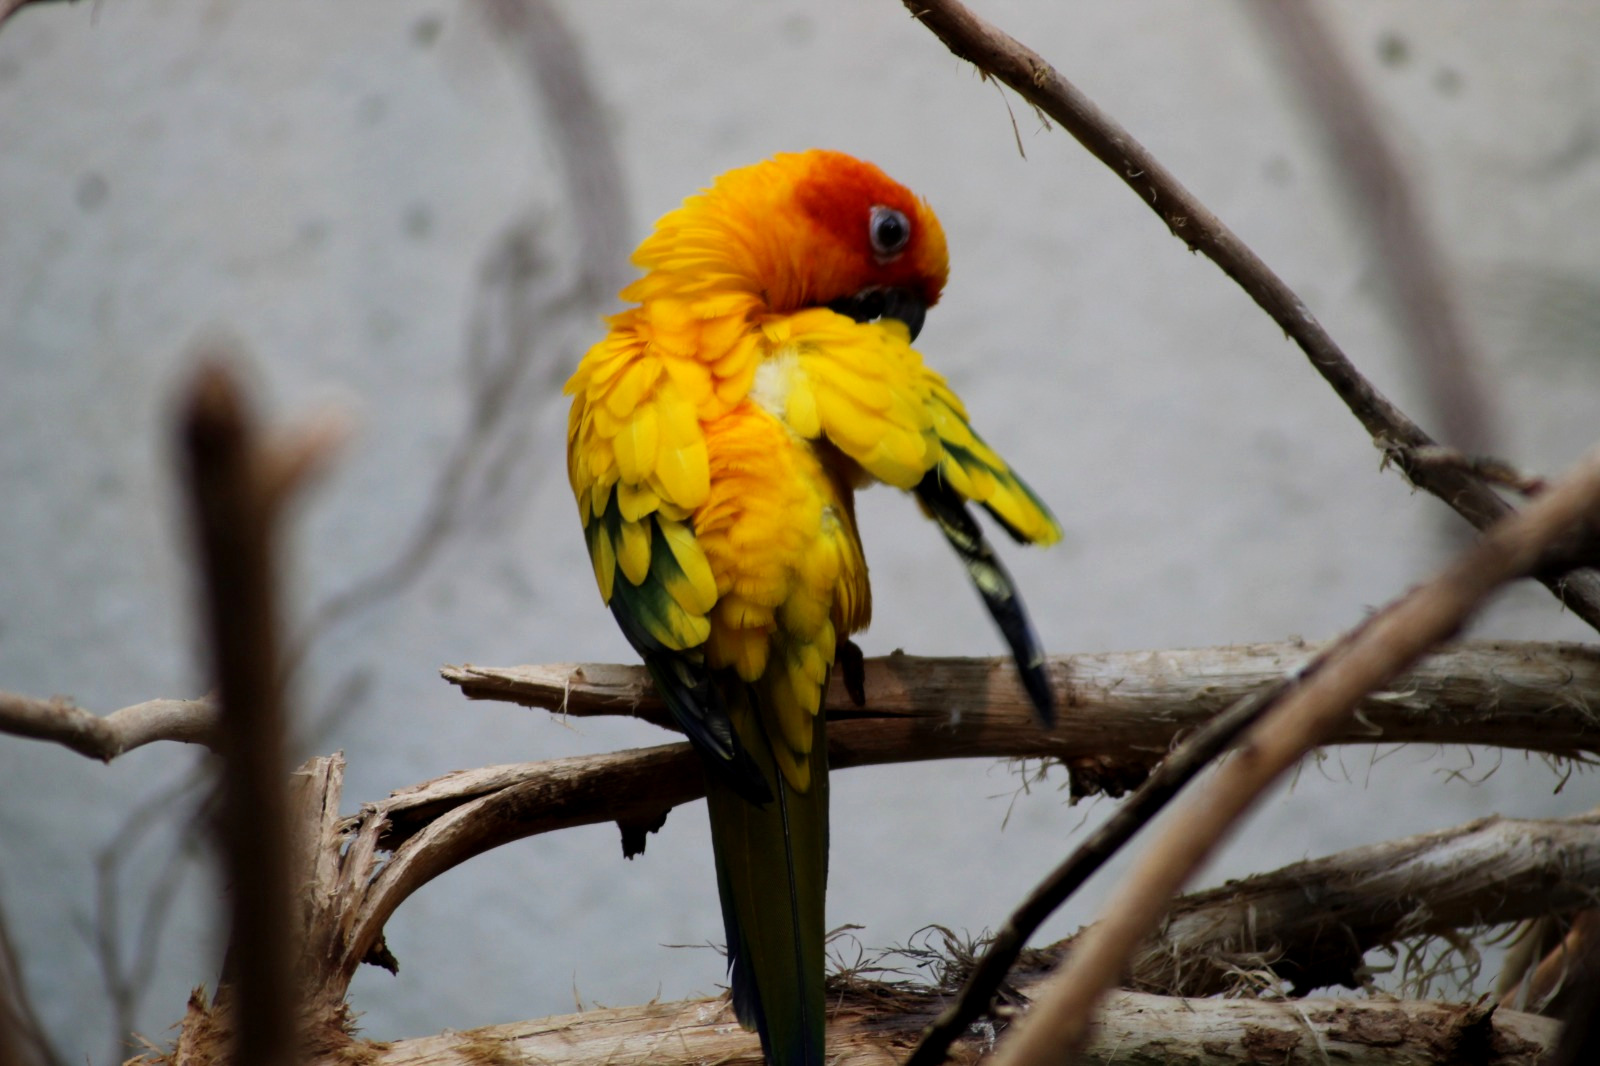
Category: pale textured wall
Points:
column 325, row 181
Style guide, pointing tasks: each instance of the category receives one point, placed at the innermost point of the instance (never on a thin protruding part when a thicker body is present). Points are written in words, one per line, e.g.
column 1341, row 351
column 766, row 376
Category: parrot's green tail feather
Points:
column 772, row 870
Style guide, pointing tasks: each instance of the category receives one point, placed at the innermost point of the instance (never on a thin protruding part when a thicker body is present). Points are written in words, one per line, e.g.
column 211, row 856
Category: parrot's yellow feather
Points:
column 763, row 372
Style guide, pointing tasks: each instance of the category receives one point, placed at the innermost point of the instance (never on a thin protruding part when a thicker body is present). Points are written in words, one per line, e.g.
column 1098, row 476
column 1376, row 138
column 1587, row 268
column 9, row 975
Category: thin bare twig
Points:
column 127, row 962
column 22, row 1036
column 1026, row 72
column 1370, row 656
column 553, row 59
column 104, row 738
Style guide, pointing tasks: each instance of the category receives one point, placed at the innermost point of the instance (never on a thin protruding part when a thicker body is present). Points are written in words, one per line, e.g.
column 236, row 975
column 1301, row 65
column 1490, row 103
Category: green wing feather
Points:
column 969, row 469
column 976, row 472
column 663, row 616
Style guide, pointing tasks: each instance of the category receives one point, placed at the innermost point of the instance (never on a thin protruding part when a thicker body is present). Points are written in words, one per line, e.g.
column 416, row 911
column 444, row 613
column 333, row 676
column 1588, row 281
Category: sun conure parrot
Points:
column 718, row 433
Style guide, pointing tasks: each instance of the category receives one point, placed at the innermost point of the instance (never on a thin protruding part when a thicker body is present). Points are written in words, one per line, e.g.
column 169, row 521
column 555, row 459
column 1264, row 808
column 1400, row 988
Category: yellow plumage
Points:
column 717, row 434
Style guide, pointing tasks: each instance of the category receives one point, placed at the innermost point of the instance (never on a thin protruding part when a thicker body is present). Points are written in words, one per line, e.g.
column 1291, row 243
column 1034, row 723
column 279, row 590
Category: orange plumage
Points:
column 716, row 437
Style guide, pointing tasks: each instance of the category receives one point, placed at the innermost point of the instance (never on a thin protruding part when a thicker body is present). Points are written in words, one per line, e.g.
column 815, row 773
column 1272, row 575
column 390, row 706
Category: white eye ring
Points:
column 889, row 231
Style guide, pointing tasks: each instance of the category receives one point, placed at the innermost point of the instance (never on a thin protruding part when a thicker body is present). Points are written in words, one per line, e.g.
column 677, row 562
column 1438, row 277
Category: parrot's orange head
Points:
column 811, row 229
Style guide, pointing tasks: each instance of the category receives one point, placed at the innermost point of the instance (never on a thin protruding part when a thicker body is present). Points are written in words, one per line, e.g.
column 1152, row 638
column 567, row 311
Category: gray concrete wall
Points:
column 335, row 186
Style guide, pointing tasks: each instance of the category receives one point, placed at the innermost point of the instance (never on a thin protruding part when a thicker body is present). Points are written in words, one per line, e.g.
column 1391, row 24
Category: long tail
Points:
column 772, row 870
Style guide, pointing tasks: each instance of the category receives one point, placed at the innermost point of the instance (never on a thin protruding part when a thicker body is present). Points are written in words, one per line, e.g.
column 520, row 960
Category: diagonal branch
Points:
column 1370, row 656
column 1026, row 72
column 1165, row 782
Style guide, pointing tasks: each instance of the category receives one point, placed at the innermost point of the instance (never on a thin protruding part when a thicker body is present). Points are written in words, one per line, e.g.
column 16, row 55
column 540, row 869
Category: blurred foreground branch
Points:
column 11, row 7
column 1415, row 282
column 1370, row 656
column 238, row 484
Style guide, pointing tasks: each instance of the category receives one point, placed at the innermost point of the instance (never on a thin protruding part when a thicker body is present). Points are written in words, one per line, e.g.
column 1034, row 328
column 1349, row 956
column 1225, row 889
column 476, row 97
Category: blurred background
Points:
column 417, row 210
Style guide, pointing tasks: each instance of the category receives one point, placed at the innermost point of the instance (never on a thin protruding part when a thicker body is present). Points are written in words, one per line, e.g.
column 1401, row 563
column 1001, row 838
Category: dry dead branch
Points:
column 1369, row 657
column 1135, row 1029
column 351, row 889
column 1127, row 708
column 238, row 484
column 1311, row 923
column 1001, row 56
column 105, row 737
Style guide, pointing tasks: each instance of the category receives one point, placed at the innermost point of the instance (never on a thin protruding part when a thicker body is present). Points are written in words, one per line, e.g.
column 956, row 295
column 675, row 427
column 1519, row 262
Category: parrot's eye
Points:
column 889, row 231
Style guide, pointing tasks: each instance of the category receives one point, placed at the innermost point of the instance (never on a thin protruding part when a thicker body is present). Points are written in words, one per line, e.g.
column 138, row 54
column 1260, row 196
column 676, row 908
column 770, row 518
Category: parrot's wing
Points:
column 970, row 470
column 977, row 473
column 864, row 388
column 637, row 460
column 858, row 385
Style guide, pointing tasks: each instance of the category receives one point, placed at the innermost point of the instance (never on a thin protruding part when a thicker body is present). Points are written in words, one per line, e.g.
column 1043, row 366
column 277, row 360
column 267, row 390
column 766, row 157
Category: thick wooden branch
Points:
column 1434, row 883
column 1312, row 922
column 1126, row 708
column 1135, row 1030
column 1123, row 709
column 1488, row 871
column 104, row 738
column 361, row 869
column 997, row 54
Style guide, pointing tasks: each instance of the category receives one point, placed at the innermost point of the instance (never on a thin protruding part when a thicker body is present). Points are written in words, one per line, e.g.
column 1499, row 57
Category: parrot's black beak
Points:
column 868, row 305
